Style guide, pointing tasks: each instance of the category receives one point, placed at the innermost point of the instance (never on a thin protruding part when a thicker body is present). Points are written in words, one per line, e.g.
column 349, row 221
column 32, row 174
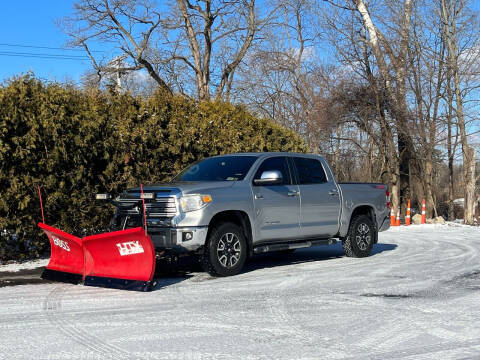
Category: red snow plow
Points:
column 122, row 259
column 66, row 258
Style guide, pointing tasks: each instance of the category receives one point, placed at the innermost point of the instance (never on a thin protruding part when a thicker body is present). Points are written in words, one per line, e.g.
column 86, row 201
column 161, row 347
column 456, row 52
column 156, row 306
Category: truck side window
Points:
column 310, row 171
column 275, row 163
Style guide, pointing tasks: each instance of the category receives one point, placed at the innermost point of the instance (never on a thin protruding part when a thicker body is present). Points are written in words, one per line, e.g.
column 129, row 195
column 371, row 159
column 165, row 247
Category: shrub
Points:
column 76, row 143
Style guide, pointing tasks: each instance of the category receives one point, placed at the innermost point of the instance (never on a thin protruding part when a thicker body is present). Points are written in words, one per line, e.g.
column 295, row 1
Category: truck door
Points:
column 277, row 207
column 320, row 200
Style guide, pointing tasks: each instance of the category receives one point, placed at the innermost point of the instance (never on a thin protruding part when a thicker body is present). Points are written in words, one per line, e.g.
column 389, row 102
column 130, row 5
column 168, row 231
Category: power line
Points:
column 45, row 47
column 44, row 56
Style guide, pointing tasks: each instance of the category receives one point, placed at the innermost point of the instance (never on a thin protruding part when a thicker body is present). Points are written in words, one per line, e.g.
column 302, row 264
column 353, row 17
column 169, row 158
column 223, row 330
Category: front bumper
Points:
column 178, row 239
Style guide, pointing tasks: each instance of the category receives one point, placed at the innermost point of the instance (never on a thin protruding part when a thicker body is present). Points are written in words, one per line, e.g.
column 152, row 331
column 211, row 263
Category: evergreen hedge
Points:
column 75, row 143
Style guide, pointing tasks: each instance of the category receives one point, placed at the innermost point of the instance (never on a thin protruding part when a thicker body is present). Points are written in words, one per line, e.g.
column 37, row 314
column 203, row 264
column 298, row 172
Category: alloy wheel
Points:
column 363, row 237
column 229, row 250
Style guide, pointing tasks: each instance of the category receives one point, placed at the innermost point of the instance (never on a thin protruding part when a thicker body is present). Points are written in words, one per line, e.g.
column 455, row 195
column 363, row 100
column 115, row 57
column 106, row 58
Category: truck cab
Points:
column 228, row 207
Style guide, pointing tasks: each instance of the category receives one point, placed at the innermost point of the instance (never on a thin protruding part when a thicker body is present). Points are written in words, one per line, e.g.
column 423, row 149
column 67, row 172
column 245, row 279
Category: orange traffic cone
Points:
column 392, row 217
column 407, row 218
column 397, row 223
column 423, row 212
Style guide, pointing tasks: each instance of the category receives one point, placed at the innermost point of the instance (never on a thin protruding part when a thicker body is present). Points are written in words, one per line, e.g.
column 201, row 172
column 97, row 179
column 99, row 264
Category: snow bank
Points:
column 15, row 267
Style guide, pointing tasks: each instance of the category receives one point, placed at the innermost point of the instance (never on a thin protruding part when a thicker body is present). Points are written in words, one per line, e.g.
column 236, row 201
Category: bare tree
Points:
column 207, row 23
column 450, row 146
column 450, row 11
column 384, row 30
column 171, row 41
column 282, row 78
column 427, row 74
column 360, row 106
column 130, row 25
column 393, row 73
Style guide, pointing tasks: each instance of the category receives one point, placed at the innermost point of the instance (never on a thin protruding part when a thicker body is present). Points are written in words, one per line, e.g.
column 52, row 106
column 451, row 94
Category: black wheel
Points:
column 226, row 250
column 360, row 238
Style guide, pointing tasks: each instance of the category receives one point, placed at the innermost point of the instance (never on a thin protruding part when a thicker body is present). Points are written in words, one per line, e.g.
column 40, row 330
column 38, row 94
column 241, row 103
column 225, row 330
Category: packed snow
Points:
column 18, row 266
column 416, row 297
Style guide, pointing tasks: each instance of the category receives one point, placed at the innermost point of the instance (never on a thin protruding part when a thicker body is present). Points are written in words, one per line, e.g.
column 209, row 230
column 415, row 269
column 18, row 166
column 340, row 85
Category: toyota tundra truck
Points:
column 227, row 208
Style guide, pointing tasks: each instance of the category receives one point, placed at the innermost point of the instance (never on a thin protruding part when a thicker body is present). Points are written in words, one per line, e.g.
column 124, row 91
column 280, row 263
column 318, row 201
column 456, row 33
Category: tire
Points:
column 360, row 238
column 226, row 250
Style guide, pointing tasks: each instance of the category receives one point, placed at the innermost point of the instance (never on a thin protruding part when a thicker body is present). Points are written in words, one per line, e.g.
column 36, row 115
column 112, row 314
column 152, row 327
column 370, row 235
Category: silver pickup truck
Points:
column 228, row 207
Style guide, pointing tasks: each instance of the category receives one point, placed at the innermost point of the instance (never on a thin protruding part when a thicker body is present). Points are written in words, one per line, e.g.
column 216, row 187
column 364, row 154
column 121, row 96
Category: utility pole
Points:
column 117, row 72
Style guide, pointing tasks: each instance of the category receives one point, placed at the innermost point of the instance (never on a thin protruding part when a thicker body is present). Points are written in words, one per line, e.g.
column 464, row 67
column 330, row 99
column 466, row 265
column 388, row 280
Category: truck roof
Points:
column 266, row 153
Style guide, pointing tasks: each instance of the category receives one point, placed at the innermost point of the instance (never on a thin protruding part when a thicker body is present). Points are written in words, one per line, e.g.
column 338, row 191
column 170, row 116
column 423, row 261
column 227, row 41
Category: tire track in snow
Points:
column 286, row 315
column 440, row 270
column 422, row 270
column 428, row 349
column 52, row 305
column 424, row 253
column 201, row 284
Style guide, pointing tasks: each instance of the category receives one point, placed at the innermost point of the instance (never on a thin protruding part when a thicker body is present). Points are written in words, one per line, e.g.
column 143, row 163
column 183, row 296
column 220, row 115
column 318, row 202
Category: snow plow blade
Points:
column 121, row 259
column 66, row 260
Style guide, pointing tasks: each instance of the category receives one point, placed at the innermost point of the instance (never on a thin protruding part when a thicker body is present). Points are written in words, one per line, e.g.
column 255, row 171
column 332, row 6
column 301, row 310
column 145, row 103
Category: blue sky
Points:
column 32, row 23
column 29, row 22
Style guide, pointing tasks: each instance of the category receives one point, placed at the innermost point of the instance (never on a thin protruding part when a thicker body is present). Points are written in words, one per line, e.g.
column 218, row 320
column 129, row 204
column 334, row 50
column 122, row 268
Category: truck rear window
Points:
column 222, row 168
column 310, row 171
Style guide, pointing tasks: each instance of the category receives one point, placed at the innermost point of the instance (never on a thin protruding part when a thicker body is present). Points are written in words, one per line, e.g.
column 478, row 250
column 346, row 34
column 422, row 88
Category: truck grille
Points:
column 160, row 207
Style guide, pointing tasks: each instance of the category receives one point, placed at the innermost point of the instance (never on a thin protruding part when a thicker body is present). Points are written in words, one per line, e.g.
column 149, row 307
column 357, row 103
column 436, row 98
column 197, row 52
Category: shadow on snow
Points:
column 313, row 254
column 167, row 275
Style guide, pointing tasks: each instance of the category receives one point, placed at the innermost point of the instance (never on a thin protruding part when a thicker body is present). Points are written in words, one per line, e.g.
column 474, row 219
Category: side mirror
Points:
column 103, row 197
column 271, row 177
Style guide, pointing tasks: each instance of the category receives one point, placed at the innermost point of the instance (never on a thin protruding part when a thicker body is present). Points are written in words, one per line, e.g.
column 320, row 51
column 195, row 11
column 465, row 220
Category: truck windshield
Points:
column 222, row 168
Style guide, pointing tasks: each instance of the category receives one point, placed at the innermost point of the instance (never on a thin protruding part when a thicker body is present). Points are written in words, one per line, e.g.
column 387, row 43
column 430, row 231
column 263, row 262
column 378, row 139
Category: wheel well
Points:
column 237, row 217
column 364, row 210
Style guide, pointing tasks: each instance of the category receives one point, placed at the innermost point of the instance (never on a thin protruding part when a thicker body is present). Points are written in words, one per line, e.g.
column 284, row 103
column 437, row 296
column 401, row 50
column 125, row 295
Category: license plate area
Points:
column 163, row 238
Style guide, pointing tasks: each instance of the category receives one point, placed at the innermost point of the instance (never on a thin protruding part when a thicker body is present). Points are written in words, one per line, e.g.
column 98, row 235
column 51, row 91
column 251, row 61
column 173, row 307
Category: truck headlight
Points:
column 194, row 202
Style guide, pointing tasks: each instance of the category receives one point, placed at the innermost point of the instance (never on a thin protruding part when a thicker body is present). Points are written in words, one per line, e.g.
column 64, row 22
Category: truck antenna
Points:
column 41, row 203
column 144, row 208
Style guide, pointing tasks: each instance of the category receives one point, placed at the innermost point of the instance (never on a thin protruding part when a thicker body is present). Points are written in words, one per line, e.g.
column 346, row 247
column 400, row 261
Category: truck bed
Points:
column 374, row 195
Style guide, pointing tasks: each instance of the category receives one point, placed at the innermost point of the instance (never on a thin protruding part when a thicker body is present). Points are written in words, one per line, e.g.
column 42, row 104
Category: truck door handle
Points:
column 333, row 192
column 293, row 193
column 257, row 197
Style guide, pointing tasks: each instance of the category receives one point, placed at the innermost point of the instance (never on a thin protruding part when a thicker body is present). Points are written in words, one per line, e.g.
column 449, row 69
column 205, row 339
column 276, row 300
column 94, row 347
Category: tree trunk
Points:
column 468, row 158
column 396, row 95
column 431, row 209
column 450, row 152
column 467, row 151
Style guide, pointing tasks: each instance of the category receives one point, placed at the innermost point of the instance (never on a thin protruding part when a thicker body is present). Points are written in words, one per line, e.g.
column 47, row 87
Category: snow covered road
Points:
column 416, row 297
